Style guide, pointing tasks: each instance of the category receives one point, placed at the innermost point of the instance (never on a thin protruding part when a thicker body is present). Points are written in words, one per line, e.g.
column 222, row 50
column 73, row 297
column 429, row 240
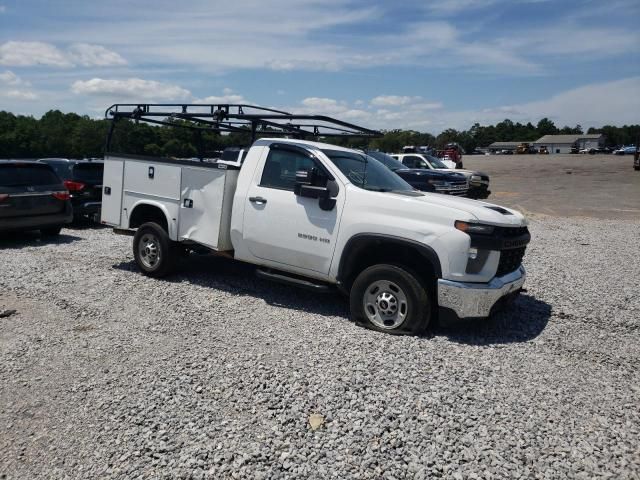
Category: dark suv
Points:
column 32, row 197
column 425, row 180
column 83, row 179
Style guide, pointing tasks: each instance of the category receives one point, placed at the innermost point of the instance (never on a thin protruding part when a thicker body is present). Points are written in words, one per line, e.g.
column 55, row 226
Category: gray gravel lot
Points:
column 597, row 186
column 213, row 373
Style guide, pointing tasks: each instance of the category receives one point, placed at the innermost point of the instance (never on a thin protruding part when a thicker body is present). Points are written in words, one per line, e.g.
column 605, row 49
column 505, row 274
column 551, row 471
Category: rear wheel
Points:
column 153, row 250
column 391, row 299
column 50, row 231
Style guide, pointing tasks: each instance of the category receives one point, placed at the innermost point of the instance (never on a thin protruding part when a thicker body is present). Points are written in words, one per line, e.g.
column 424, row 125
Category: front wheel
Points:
column 391, row 299
column 153, row 250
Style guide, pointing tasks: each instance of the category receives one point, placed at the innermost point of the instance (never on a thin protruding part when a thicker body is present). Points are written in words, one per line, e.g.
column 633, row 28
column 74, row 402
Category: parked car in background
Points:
column 32, row 197
column 83, row 179
column 604, row 150
column 628, row 150
column 233, row 156
column 425, row 180
column 478, row 181
column 543, row 150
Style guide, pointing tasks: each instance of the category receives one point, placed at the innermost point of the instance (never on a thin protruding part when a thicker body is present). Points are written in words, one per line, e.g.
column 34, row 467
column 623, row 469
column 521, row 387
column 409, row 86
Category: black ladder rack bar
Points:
column 236, row 118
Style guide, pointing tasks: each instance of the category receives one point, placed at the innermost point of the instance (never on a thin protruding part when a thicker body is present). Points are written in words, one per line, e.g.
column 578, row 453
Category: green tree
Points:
column 546, row 127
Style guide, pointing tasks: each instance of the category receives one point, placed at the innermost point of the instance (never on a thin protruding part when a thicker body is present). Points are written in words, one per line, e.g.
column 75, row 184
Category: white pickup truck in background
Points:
column 319, row 216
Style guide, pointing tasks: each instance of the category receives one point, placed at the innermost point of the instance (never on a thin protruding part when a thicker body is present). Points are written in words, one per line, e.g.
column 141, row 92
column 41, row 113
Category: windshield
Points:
column 436, row 162
column 366, row 172
column 388, row 161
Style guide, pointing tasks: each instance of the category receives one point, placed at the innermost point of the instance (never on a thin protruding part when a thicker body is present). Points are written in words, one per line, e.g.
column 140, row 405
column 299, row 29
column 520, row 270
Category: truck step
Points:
column 289, row 279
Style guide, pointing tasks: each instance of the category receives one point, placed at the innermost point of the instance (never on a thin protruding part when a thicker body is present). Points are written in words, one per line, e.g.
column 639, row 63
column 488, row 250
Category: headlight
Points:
column 467, row 227
column 476, row 178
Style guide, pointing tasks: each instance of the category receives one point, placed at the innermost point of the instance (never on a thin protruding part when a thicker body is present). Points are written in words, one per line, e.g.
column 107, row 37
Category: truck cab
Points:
column 324, row 217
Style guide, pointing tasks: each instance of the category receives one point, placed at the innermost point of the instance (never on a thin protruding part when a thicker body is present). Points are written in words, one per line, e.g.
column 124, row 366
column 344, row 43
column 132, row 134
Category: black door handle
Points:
column 258, row 200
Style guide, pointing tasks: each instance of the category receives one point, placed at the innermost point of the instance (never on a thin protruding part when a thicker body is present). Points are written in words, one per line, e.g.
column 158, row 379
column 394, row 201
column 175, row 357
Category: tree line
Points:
column 58, row 134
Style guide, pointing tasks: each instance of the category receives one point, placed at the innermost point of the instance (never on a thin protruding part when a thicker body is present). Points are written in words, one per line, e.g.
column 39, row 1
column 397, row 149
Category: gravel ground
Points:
column 214, row 373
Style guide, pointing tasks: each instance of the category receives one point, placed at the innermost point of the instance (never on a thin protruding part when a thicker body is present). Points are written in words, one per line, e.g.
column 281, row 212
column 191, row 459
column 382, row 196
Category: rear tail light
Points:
column 3, row 196
column 73, row 186
column 63, row 195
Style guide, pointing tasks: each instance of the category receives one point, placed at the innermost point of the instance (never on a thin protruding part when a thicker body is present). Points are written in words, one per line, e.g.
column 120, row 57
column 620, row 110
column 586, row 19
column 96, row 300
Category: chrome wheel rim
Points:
column 385, row 304
column 149, row 250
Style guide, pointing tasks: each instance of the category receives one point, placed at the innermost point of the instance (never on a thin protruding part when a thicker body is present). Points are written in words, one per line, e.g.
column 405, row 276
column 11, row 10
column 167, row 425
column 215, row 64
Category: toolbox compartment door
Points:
column 112, row 191
column 205, row 206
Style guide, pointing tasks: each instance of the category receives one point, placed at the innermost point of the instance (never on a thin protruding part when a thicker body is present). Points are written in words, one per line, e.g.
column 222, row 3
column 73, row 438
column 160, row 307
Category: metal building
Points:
column 564, row 143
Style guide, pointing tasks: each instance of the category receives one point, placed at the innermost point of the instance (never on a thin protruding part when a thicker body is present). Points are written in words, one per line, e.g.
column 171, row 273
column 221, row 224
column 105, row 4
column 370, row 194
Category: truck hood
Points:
column 474, row 210
column 450, row 175
column 466, row 173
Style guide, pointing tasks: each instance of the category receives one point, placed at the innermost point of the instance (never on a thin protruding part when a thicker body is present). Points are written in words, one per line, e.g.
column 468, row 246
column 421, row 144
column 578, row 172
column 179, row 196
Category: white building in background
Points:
column 564, row 143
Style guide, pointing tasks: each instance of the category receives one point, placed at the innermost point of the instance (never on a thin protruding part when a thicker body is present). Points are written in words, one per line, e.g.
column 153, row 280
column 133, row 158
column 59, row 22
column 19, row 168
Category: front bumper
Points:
column 479, row 190
column 476, row 300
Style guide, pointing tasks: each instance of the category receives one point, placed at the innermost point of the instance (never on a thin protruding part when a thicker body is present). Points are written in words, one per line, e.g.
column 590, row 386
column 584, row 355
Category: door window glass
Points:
column 281, row 166
column 414, row 162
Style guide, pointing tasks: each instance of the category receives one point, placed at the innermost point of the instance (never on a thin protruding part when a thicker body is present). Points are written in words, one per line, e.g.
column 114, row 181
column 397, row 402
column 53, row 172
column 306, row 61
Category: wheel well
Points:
column 148, row 213
column 361, row 253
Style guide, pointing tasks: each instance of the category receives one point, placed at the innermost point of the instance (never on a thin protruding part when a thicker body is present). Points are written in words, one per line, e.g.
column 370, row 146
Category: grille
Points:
column 510, row 260
column 510, row 232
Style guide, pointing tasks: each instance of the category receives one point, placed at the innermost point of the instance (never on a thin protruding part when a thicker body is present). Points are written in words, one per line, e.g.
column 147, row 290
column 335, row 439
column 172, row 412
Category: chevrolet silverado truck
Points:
column 318, row 216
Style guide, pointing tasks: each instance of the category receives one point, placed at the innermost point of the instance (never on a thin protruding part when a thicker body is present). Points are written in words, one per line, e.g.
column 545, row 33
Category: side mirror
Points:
column 325, row 194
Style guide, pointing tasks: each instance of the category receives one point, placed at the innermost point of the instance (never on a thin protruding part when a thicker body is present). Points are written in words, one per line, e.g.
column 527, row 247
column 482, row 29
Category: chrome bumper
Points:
column 470, row 300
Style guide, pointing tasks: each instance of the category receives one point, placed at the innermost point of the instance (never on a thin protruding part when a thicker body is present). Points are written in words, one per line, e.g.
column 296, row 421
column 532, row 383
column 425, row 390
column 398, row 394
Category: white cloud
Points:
column 228, row 96
column 12, row 86
column 454, row 6
column 324, row 104
column 21, row 94
column 449, row 7
column 329, row 106
column 231, row 98
column 25, row 54
column 130, row 88
column 9, row 78
column 392, row 100
column 88, row 55
column 288, row 40
column 3, row 9
column 614, row 103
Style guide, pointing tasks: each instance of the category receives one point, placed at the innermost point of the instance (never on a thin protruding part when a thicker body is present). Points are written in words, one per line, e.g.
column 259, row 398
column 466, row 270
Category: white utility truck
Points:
column 318, row 216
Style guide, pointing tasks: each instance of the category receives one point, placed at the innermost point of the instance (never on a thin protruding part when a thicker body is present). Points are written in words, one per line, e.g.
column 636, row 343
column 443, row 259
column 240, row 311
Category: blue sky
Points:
column 426, row 65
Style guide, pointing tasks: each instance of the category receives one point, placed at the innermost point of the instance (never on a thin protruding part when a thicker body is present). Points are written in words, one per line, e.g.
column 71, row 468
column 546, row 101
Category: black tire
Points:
column 378, row 288
column 153, row 250
column 50, row 231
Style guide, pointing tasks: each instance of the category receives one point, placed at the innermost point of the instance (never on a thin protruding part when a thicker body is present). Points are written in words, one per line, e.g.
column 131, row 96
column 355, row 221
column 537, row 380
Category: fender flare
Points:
column 152, row 203
column 355, row 242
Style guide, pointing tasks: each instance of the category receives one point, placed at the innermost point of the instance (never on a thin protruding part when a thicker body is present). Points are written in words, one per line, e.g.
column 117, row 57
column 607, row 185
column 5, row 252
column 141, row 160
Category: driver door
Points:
column 283, row 229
